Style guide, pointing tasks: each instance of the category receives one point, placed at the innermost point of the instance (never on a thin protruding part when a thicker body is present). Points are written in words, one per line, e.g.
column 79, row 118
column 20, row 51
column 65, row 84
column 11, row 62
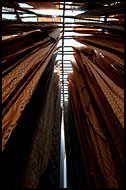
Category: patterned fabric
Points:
column 55, row 158
column 17, row 149
column 93, row 174
column 20, row 79
column 114, row 94
column 115, row 56
column 76, row 175
column 41, row 147
column 50, row 178
column 101, row 116
column 112, row 69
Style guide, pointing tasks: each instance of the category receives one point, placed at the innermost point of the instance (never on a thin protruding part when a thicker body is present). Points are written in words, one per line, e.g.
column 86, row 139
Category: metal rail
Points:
column 62, row 122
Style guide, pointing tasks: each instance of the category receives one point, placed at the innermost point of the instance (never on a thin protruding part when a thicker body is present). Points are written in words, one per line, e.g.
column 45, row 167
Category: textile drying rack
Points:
column 19, row 12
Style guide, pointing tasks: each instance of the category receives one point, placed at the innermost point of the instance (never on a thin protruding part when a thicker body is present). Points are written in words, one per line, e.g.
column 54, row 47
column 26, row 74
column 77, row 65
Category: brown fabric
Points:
column 45, row 19
column 101, row 119
column 105, row 46
column 100, row 144
column 10, row 27
column 42, row 142
column 92, row 171
column 113, row 124
column 105, row 43
column 85, row 30
column 102, row 50
column 19, row 83
column 107, row 26
column 109, row 10
column 115, row 96
column 98, row 34
column 107, row 67
column 44, row 5
column 119, row 67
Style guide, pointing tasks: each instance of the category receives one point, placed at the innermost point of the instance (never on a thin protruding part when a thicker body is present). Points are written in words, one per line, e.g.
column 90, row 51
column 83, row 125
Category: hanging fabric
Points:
column 98, row 103
column 44, row 5
column 41, row 146
column 21, row 76
column 35, row 128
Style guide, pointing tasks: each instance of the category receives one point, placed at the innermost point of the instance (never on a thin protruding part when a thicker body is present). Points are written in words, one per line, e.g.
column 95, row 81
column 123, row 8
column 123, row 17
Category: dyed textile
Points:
column 22, row 75
column 11, row 27
column 76, row 176
column 94, row 177
column 98, row 103
column 44, row 5
column 55, row 158
column 108, row 100
column 40, row 151
column 50, row 178
column 108, row 43
column 17, row 149
column 114, row 55
column 102, row 10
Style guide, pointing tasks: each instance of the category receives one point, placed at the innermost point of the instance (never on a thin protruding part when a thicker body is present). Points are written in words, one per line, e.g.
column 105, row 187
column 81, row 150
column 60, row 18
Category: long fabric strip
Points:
column 50, row 178
column 16, row 155
column 117, row 57
column 20, row 82
column 92, row 169
column 42, row 141
column 102, row 113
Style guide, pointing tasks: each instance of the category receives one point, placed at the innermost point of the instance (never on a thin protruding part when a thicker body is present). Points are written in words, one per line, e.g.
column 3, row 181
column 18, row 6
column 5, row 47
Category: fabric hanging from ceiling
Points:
column 45, row 19
column 41, row 147
column 112, row 46
column 13, row 27
column 112, row 27
column 50, row 178
column 24, row 59
column 44, row 5
column 76, row 178
column 89, row 6
column 101, row 10
column 96, row 92
column 92, row 171
column 116, row 56
column 101, row 35
column 36, row 129
column 94, row 113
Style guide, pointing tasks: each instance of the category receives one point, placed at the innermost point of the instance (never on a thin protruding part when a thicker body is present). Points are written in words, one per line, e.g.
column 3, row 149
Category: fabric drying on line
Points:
column 96, row 93
column 42, row 141
column 24, row 158
column 22, row 75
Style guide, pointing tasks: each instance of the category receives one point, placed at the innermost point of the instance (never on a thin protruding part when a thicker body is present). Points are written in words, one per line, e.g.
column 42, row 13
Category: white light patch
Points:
column 24, row 5
column 8, row 16
column 101, row 55
column 29, row 19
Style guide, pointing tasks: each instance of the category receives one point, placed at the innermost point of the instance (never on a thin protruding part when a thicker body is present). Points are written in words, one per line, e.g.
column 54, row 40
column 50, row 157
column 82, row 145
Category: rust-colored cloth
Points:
column 102, row 102
column 110, row 68
column 115, row 96
column 109, row 43
column 10, row 27
column 100, row 145
column 90, row 165
column 100, row 35
column 44, row 5
column 110, row 52
column 41, row 147
column 21, row 77
column 105, row 10
column 51, row 19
